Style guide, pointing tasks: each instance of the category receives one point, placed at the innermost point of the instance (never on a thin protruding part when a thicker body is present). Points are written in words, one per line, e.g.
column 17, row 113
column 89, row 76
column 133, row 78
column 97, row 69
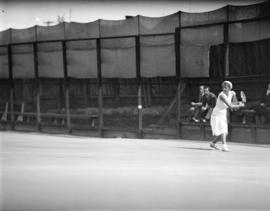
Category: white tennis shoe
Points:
column 213, row 145
column 225, row 148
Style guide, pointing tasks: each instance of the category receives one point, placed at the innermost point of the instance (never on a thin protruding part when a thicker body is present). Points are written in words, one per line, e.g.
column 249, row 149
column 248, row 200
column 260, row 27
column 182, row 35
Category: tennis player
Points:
column 218, row 121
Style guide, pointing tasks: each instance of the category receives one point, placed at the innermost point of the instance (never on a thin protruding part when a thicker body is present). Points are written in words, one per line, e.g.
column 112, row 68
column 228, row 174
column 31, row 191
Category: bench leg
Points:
column 27, row 119
column 55, row 120
column 4, row 117
column 93, row 123
column 20, row 118
column 244, row 119
column 63, row 122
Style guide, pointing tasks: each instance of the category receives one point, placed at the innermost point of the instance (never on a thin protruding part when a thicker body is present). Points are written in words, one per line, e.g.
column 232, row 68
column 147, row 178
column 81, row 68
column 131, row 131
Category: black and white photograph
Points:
column 154, row 105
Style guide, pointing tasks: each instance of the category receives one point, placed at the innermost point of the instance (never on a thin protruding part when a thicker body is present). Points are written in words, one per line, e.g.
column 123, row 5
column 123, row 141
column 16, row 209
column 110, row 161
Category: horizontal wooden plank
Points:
column 82, row 116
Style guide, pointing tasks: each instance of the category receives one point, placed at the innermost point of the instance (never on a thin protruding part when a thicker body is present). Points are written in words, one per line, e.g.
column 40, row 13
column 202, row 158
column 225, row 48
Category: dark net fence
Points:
column 76, row 71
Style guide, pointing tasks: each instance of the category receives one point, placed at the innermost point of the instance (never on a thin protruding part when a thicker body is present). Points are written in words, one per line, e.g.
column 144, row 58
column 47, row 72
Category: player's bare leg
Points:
column 223, row 139
column 213, row 142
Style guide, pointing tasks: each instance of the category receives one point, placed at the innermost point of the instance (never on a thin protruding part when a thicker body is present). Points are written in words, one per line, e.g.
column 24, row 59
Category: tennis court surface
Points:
column 56, row 172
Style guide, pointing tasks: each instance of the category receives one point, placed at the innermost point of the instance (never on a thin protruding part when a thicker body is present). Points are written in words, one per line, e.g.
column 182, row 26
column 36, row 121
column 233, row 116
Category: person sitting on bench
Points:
column 208, row 104
column 196, row 106
column 262, row 110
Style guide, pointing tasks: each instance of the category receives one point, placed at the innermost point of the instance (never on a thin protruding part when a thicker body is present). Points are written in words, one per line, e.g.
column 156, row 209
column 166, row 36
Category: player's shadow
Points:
column 195, row 148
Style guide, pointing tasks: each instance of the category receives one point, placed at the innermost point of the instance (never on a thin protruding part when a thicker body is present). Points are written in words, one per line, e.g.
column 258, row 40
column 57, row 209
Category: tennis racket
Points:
column 234, row 98
column 243, row 97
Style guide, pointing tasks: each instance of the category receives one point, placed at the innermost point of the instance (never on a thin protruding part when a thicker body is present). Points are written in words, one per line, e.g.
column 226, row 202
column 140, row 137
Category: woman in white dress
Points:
column 218, row 121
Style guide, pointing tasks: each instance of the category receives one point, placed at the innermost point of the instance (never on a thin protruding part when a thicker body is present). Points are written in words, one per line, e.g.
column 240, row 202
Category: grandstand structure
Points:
column 136, row 76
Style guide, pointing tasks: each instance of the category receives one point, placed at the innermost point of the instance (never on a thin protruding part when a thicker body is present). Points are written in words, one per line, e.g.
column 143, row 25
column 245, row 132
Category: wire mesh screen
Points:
column 83, row 100
column 245, row 59
column 120, row 100
column 159, row 103
column 60, row 70
column 195, row 48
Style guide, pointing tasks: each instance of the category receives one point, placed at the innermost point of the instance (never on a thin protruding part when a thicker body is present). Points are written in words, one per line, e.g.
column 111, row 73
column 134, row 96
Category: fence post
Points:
column 37, row 83
column 100, row 94
column 178, row 76
column 11, row 87
column 66, row 86
column 227, row 46
column 139, row 81
column 226, row 70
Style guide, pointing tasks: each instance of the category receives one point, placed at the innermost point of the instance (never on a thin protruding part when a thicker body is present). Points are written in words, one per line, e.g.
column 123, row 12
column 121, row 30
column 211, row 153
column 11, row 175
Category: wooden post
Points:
column 226, row 61
column 140, row 132
column 100, row 94
column 227, row 47
column 253, row 131
column 178, row 76
column 144, row 93
column 147, row 95
column 149, row 92
column 139, row 81
column 11, row 87
column 117, row 91
column 66, row 86
column 86, row 93
column 38, row 119
column 226, row 56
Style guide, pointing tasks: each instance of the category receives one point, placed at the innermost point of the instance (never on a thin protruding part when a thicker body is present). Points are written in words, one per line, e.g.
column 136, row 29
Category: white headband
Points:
column 229, row 83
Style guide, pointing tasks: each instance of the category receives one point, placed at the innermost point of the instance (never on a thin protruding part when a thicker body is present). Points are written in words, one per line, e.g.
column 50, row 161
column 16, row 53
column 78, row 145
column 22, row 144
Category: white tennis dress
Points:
column 218, row 121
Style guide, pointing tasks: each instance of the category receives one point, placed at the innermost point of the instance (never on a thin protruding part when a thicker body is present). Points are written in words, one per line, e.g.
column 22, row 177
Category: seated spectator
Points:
column 262, row 110
column 196, row 106
column 208, row 104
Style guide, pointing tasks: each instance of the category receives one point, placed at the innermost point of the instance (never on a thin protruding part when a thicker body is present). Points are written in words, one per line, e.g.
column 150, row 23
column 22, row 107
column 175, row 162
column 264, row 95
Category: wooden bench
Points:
column 19, row 112
column 62, row 117
column 248, row 114
column 21, row 115
column 245, row 133
column 56, row 117
column 4, row 113
column 243, row 116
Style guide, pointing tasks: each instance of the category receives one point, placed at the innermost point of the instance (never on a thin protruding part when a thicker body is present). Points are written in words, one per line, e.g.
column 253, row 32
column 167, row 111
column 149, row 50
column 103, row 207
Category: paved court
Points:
column 47, row 172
